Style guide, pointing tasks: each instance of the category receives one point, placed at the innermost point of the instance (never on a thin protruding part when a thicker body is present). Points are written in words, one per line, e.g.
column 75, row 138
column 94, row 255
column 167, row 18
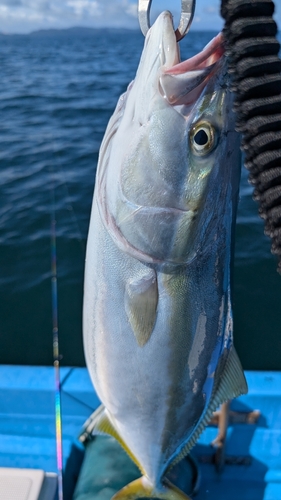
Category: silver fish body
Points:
column 157, row 315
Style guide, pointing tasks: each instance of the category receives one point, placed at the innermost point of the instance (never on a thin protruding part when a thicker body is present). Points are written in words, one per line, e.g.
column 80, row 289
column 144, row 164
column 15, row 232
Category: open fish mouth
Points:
column 182, row 83
column 211, row 54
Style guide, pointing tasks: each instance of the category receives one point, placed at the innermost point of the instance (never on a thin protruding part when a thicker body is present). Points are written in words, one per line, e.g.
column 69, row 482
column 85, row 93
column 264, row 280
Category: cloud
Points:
column 84, row 7
column 132, row 10
column 211, row 10
column 22, row 16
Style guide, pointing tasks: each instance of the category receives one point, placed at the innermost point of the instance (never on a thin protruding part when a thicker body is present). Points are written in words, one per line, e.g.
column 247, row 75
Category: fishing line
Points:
column 56, row 355
column 72, row 211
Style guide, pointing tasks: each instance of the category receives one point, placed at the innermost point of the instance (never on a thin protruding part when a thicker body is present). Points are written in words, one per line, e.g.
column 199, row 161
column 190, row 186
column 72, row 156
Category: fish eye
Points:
column 203, row 138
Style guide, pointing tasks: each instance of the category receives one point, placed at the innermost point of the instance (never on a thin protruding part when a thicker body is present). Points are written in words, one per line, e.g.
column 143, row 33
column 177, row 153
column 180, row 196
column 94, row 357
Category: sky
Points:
column 24, row 16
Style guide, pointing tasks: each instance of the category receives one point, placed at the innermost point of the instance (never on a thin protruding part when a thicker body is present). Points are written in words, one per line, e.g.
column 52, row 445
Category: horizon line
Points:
column 98, row 28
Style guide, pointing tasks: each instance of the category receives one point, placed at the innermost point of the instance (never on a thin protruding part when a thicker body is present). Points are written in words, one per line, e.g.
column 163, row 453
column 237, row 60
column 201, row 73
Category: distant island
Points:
column 76, row 30
column 80, row 31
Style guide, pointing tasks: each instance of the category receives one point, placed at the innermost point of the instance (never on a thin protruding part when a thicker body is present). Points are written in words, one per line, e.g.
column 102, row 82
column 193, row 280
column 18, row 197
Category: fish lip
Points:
column 162, row 35
column 211, row 54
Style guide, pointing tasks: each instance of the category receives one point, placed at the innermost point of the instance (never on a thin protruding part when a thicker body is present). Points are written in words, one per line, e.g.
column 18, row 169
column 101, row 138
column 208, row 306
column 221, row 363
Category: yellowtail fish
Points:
column 157, row 303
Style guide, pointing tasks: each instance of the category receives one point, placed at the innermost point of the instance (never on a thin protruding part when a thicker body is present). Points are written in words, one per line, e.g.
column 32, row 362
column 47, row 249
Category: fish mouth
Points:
column 182, row 83
column 210, row 55
column 161, row 41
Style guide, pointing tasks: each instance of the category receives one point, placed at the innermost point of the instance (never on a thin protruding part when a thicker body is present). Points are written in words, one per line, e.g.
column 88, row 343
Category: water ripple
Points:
column 57, row 94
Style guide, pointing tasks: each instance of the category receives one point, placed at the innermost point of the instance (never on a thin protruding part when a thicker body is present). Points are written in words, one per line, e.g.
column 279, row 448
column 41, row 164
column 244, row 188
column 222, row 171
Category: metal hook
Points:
column 187, row 13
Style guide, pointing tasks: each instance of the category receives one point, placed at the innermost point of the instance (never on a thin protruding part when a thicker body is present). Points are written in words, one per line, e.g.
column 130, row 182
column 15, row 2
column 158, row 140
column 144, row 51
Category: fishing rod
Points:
column 56, row 355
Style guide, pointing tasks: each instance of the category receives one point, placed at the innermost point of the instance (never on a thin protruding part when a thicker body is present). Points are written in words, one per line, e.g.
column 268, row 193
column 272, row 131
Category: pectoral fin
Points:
column 141, row 488
column 99, row 423
column 141, row 300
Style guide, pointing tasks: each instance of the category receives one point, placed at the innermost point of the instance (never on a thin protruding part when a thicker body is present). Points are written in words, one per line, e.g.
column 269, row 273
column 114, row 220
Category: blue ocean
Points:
column 58, row 91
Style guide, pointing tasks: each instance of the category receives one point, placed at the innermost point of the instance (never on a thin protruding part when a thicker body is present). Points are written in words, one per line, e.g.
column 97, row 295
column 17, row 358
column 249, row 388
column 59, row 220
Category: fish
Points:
column 157, row 313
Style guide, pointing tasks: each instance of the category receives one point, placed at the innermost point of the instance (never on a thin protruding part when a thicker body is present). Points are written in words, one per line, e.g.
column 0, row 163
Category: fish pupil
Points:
column 201, row 138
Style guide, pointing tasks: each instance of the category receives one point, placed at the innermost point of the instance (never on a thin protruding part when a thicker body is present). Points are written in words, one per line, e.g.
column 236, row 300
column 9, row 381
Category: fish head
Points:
column 170, row 157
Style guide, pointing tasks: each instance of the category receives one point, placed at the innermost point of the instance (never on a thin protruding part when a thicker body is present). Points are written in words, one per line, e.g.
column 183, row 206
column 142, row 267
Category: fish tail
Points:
column 142, row 488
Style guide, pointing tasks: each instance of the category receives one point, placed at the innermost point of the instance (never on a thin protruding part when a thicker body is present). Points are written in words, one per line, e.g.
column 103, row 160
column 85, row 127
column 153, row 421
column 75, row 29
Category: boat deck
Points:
column 27, row 432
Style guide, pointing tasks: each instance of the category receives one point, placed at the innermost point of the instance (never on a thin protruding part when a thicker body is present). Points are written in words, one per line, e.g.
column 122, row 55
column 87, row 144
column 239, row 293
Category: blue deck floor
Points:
column 27, row 430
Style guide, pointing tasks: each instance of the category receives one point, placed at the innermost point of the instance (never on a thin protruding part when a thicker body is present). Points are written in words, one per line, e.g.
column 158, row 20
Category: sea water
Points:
column 58, row 91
